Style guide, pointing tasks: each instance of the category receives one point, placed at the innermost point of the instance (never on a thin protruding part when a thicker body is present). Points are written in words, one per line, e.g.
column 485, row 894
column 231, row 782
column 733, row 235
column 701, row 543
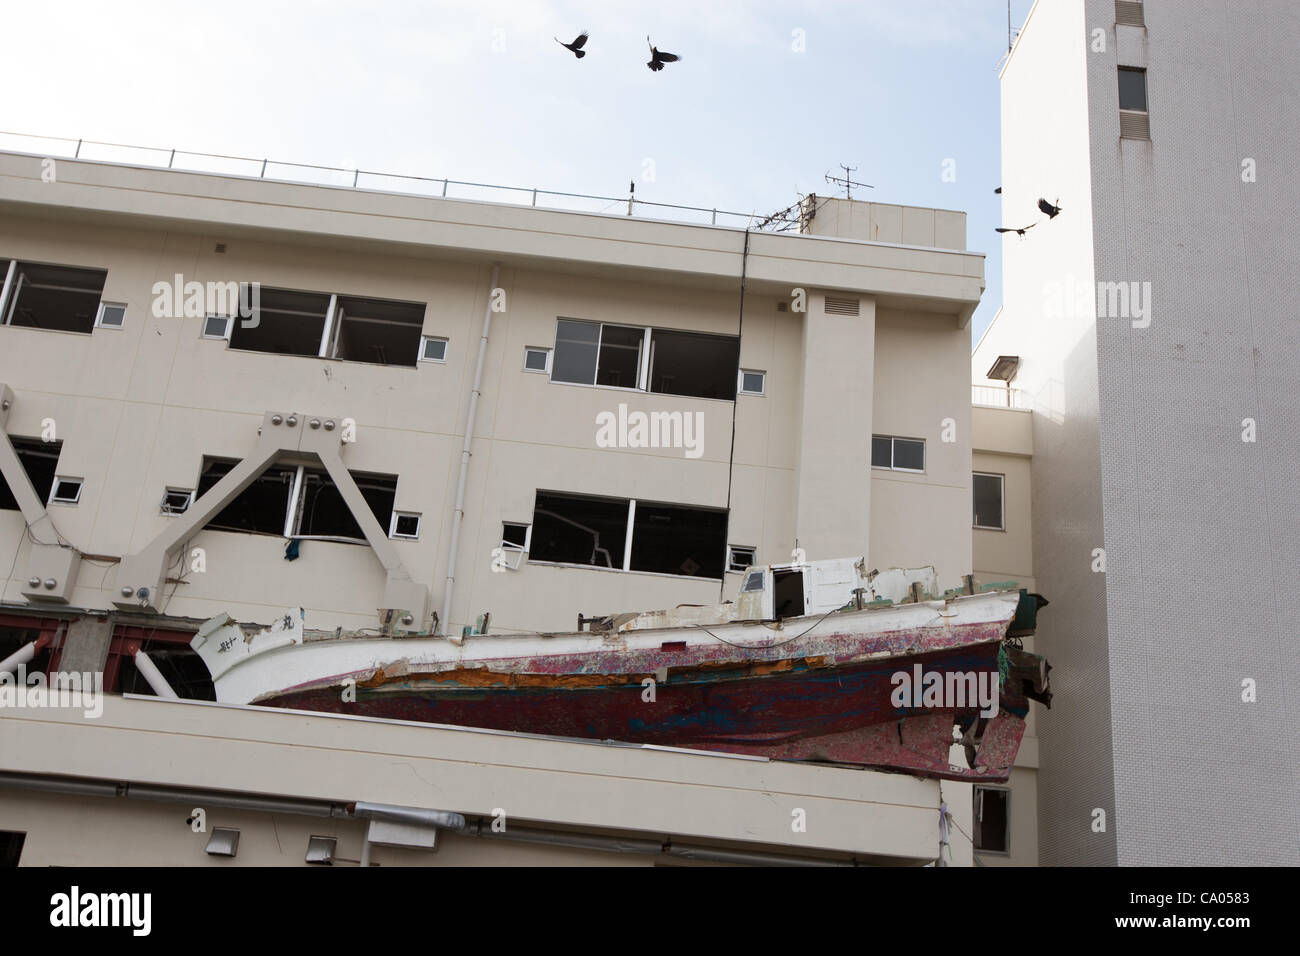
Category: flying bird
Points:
column 576, row 46
column 998, row 190
column 1019, row 232
column 658, row 59
column 1048, row 209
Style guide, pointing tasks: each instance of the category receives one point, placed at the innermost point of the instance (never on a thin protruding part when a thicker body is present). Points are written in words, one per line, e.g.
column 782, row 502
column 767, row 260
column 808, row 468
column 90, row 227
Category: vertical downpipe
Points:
column 458, row 514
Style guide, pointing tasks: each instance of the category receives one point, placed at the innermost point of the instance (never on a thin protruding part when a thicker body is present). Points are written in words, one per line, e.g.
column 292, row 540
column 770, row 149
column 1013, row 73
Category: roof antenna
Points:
column 846, row 182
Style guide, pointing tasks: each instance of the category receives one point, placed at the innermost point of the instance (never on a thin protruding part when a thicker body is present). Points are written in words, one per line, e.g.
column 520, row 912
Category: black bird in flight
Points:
column 1019, row 232
column 658, row 59
column 1048, row 209
column 998, row 190
column 576, row 46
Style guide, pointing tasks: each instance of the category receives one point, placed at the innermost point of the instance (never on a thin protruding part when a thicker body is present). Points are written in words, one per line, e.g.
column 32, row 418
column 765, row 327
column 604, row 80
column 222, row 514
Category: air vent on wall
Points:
column 1134, row 125
column 836, row 305
column 1129, row 13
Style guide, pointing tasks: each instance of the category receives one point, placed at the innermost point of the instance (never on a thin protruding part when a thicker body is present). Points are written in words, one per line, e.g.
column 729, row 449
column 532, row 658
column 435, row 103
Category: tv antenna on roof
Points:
column 846, row 182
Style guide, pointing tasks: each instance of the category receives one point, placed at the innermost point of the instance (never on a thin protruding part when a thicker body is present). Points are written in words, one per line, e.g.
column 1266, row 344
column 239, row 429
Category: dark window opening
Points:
column 288, row 323
column 58, row 298
column 324, row 512
column 987, row 491
column 900, row 454
column 620, row 356
column 991, row 820
column 787, row 593
column 40, row 460
column 575, row 529
column 674, row 539
column 691, row 363
column 1132, row 89
column 514, row 535
column 182, row 667
column 738, row 559
column 13, row 639
column 576, row 344
column 260, row 508
column 11, row 847
column 378, row 331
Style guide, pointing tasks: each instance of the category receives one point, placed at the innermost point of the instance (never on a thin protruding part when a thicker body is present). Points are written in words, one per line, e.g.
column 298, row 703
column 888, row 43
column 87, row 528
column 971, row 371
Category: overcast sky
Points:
column 480, row 91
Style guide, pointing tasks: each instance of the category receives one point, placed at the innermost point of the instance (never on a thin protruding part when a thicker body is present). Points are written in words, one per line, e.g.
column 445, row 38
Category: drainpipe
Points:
column 444, row 620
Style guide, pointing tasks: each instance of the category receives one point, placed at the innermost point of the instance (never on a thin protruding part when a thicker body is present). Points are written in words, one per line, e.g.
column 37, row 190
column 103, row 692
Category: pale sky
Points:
column 480, row 91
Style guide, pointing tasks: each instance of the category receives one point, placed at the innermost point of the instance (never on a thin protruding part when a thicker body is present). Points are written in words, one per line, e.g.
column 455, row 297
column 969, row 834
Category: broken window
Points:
column 177, row 501
column 40, row 460
column 181, row 666
column 988, row 495
column 678, row 539
column 898, row 454
column 992, row 820
column 666, row 538
column 739, row 558
column 14, row 639
column 67, row 491
column 378, row 331
column 322, row 512
column 692, row 363
column 297, row 502
column 260, row 508
column 57, row 298
column 286, row 323
column 577, row 529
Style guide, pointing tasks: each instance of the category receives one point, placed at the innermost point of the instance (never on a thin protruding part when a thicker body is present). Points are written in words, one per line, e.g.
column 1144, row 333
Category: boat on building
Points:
column 815, row 661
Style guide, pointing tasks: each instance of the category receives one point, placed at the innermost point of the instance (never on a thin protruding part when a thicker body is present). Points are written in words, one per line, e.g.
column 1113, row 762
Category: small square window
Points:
column 405, row 525
column 739, row 558
column 216, row 327
column 515, row 535
column 752, row 382
column 66, row 491
column 537, row 359
column 754, row 581
column 177, row 501
column 111, row 315
column 433, row 350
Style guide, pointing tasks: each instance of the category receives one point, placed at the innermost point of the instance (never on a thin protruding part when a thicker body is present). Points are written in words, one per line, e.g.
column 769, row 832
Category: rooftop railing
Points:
column 409, row 185
column 996, row 396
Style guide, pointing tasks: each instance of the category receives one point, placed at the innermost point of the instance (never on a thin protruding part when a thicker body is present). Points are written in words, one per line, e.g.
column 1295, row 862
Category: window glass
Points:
column 1132, row 89
column 988, row 501
column 620, row 356
column 575, row 352
column 575, row 529
column 909, row 454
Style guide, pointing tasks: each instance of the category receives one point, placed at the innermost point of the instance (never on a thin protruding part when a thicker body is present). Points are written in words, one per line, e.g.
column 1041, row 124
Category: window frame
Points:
column 425, row 341
column 167, row 492
column 740, row 382
column 54, row 490
column 225, row 335
column 546, row 370
column 1146, row 91
column 11, row 288
column 732, row 549
column 925, row 459
column 976, row 790
column 626, row 565
column 99, row 316
column 392, row 525
column 1002, row 505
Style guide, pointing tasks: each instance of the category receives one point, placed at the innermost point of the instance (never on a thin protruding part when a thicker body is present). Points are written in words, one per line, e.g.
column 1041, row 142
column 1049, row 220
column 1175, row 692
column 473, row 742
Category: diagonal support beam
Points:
column 140, row 576
column 51, row 567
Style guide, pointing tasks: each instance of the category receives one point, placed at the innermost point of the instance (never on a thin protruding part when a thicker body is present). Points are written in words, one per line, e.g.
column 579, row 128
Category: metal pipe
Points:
column 444, row 619
column 413, row 816
column 19, row 657
column 144, row 663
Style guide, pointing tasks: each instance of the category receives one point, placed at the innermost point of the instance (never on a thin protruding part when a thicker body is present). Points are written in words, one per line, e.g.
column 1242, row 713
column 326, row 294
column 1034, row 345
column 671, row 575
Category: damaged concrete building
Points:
column 229, row 394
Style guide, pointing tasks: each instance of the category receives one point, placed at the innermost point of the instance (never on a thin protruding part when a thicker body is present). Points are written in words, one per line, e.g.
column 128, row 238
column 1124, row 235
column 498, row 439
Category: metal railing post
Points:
column 77, row 154
column 262, row 174
column 171, row 159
